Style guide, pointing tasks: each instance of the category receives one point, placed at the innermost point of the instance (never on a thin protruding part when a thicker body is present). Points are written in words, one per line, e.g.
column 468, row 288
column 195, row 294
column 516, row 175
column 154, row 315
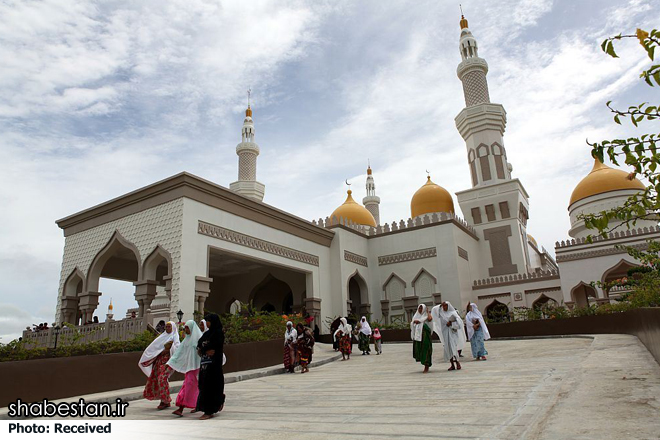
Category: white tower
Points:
column 247, row 151
column 496, row 204
column 372, row 201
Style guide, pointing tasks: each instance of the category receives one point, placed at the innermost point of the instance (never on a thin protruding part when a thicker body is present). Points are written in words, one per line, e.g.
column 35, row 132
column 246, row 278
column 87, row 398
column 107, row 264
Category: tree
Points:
column 639, row 152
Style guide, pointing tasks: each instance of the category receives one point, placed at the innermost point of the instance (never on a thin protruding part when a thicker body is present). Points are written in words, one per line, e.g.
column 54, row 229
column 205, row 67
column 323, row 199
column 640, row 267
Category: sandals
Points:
column 206, row 417
column 178, row 412
column 162, row 406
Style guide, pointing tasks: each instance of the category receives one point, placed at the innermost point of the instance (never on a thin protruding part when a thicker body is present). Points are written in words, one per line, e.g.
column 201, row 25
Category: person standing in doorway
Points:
column 153, row 364
column 186, row 360
column 420, row 332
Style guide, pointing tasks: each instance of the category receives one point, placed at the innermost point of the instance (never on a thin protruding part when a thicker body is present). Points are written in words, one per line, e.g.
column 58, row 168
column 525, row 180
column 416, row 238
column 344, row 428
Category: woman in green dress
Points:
column 420, row 332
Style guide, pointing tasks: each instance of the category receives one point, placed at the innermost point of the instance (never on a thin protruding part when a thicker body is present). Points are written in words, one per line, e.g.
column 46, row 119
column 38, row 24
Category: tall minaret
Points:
column 372, row 201
column 247, row 151
column 497, row 204
column 481, row 123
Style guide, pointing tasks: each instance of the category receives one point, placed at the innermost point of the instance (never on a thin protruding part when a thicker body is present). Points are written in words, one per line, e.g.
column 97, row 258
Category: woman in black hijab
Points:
column 211, row 379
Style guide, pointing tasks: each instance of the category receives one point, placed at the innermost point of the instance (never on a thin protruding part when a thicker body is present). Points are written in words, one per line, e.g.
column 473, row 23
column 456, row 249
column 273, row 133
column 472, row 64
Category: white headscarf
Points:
column 290, row 336
column 186, row 358
column 416, row 329
column 473, row 314
column 157, row 346
column 206, row 327
column 442, row 317
column 344, row 327
column 365, row 328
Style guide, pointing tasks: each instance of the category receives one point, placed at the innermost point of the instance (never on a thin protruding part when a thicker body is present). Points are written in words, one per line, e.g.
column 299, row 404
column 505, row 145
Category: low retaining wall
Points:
column 58, row 378
column 643, row 323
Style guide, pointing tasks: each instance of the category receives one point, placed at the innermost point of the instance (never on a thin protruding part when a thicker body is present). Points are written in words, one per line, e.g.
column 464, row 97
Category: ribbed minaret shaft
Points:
column 247, row 151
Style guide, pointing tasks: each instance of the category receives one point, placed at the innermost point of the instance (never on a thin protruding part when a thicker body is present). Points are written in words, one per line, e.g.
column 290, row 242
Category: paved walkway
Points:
column 606, row 387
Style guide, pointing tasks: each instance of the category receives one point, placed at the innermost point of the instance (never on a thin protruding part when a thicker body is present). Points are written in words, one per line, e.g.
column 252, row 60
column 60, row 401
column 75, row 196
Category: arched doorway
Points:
column 73, row 289
column 497, row 312
column 581, row 294
column 118, row 264
column 358, row 295
column 542, row 301
column 270, row 294
column 616, row 272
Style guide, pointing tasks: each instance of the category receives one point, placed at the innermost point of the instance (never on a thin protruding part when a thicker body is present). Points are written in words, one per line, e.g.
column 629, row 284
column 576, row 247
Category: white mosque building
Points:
column 192, row 245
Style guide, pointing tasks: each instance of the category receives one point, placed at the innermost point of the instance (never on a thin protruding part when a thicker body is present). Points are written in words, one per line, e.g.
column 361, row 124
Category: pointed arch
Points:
column 74, row 284
column 120, row 249
column 424, row 283
column 270, row 290
column 543, row 300
column 157, row 265
column 394, row 288
column 581, row 292
column 497, row 311
column 357, row 290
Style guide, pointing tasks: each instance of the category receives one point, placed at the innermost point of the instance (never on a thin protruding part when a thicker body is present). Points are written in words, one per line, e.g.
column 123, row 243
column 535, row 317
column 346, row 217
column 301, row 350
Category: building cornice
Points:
column 203, row 191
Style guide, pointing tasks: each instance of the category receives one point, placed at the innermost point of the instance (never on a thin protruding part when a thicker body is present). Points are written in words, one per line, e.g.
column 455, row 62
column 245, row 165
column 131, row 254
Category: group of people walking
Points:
column 298, row 347
column 445, row 321
column 343, row 337
column 199, row 356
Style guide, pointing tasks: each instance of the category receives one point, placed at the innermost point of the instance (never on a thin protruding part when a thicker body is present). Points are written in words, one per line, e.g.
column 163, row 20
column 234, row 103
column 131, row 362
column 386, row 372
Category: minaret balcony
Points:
column 479, row 118
column 247, row 147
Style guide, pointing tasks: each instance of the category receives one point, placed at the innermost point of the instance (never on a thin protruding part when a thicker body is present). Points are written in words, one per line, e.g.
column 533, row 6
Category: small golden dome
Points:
column 431, row 198
column 110, row 306
column 369, row 171
column 532, row 239
column 354, row 212
column 603, row 179
column 464, row 23
column 248, row 112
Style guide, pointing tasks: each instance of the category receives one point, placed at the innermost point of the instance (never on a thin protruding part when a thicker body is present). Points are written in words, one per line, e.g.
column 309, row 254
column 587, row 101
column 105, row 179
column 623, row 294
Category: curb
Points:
column 135, row 393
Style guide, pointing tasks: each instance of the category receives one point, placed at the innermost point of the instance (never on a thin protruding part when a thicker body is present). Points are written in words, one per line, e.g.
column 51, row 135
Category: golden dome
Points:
column 463, row 22
column 248, row 112
column 603, row 179
column 431, row 198
column 354, row 212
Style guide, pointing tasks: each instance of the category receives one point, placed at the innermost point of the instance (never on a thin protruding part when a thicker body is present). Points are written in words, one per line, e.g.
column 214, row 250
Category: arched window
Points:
column 482, row 153
column 499, row 160
column 473, row 167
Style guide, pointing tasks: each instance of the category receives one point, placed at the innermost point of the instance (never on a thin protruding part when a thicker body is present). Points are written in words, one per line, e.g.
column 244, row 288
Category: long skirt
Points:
column 211, row 387
column 305, row 353
column 477, row 344
column 423, row 350
column 345, row 345
column 289, row 356
column 158, row 386
column 378, row 346
column 363, row 344
column 189, row 392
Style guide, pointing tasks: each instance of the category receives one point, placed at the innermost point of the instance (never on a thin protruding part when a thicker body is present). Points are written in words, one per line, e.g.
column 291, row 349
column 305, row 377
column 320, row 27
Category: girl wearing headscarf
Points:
column 153, row 364
column 186, row 360
column 378, row 345
column 420, row 333
column 364, row 336
column 449, row 326
column 290, row 336
column 305, row 346
column 477, row 331
column 211, row 397
column 344, row 335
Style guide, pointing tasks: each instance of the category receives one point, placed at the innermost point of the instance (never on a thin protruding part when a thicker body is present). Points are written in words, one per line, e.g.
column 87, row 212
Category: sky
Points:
column 99, row 98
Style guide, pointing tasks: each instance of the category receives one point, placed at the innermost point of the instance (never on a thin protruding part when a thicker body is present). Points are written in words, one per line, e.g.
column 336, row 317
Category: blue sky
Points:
column 100, row 98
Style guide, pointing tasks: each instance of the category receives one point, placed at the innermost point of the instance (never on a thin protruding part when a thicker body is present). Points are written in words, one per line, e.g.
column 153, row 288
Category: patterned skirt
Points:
column 363, row 345
column 158, row 386
column 289, row 356
column 477, row 344
column 345, row 345
column 305, row 354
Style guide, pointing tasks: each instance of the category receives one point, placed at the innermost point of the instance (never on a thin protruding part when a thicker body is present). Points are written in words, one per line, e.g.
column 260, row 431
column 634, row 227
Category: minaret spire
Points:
column 372, row 201
column 247, row 151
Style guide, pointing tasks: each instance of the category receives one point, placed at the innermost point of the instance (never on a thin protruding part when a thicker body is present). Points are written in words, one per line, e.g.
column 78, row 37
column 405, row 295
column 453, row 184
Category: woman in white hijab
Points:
column 344, row 335
column 364, row 336
column 449, row 326
column 203, row 326
column 477, row 332
column 153, row 364
column 290, row 336
column 420, row 333
column 186, row 360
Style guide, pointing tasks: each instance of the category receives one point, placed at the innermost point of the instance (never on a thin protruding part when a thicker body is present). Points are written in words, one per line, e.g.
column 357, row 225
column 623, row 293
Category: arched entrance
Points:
column 271, row 295
column 73, row 289
column 581, row 294
column 358, row 295
column 497, row 312
column 542, row 301
column 616, row 272
column 118, row 260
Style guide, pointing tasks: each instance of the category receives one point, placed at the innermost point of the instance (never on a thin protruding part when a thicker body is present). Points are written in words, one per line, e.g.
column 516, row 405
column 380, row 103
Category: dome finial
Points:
column 248, row 112
column 368, row 167
column 463, row 22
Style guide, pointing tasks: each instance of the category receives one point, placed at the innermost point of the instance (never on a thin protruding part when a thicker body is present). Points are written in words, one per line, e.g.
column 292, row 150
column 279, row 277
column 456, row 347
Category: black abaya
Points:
column 211, row 378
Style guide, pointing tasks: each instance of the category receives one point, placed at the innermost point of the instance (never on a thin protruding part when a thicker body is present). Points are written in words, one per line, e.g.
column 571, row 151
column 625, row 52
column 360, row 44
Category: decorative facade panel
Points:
column 355, row 258
column 407, row 256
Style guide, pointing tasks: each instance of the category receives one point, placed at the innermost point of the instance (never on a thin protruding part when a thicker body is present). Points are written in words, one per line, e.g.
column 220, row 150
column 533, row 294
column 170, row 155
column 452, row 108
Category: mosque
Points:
column 189, row 245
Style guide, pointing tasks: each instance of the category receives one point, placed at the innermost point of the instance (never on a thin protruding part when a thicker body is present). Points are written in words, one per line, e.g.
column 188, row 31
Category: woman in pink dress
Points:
column 153, row 364
column 186, row 360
